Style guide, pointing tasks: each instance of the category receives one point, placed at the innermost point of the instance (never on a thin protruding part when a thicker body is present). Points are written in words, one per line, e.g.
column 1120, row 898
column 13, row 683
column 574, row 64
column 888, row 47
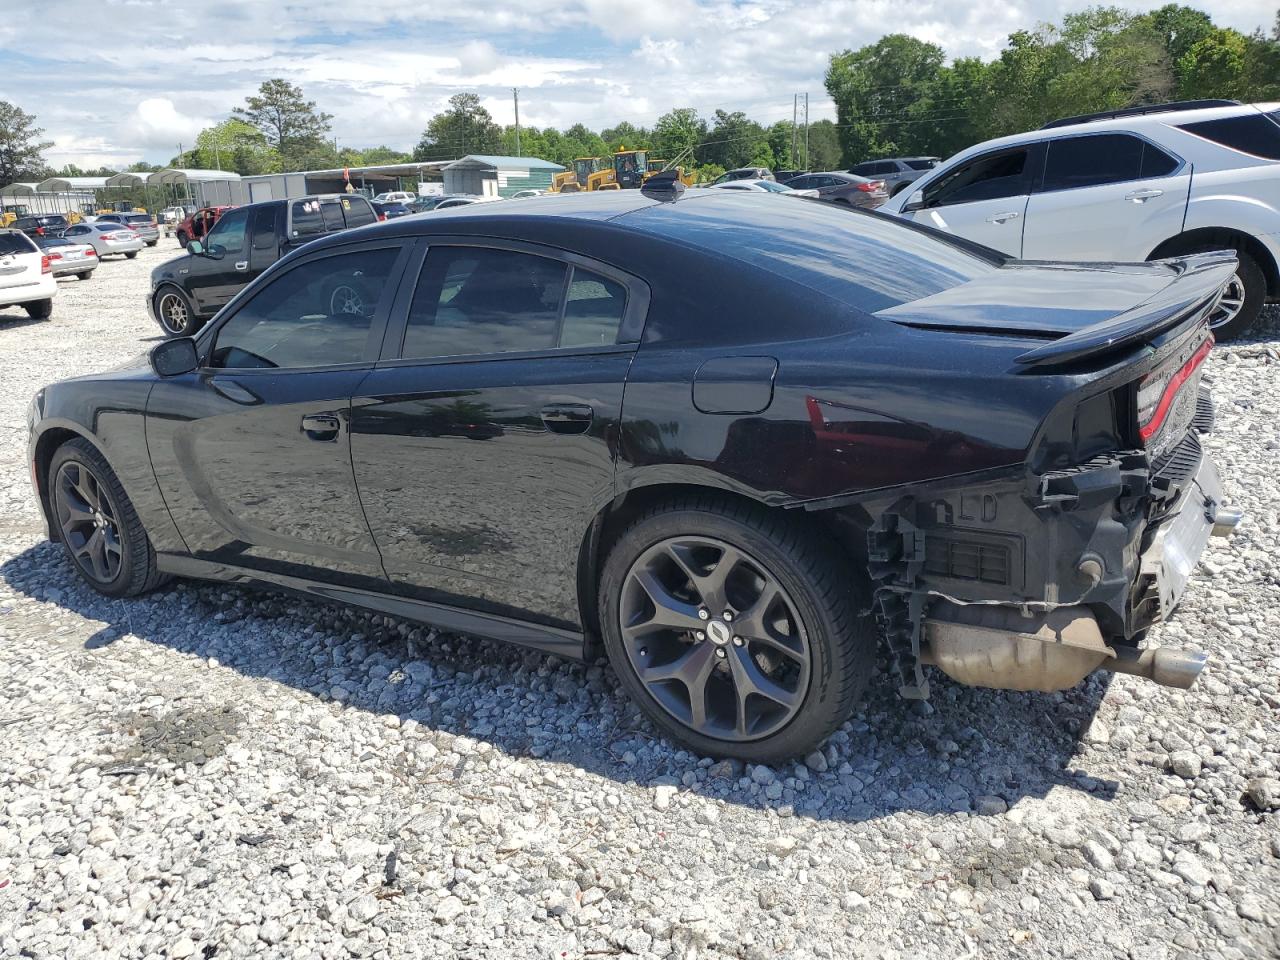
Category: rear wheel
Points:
column 131, row 254
column 39, row 309
column 736, row 630
column 1243, row 298
column 85, row 275
column 97, row 524
column 175, row 313
column 152, row 243
column 183, row 239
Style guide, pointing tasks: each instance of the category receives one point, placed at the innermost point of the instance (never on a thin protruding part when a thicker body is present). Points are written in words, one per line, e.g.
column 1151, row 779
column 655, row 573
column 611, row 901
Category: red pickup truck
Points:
column 196, row 226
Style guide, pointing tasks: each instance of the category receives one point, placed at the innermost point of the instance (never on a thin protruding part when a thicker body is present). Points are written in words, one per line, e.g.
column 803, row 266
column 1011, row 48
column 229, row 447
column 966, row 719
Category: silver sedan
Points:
column 107, row 238
column 144, row 223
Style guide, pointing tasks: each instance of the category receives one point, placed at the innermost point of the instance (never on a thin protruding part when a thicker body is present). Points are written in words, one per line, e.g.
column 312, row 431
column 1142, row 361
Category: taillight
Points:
column 1157, row 390
column 90, row 251
column 39, row 231
column 53, row 256
column 45, row 264
column 871, row 186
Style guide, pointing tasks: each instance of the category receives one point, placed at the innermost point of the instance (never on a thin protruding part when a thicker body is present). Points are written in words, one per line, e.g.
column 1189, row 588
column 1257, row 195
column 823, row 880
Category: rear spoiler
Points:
column 1198, row 283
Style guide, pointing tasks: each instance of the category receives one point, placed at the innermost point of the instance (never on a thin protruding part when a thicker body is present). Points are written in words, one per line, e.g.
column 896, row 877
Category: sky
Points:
column 116, row 81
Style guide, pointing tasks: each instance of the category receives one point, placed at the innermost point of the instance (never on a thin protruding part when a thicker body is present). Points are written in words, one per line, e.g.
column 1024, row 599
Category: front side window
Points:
column 318, row 314
column 1257, row 134
column 473, row 300
column 922, row 164
column 228, row 234
column 992, row 177
column 1100, row 159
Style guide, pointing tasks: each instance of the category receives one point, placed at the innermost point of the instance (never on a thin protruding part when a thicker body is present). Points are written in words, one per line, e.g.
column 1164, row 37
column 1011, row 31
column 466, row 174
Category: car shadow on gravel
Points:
column 965, row 750
column 15, row 321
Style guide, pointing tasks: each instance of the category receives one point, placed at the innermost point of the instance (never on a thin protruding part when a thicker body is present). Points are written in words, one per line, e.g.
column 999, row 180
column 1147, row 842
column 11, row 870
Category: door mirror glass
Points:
column 195, row 248
column 174, row 357
column 914, row 202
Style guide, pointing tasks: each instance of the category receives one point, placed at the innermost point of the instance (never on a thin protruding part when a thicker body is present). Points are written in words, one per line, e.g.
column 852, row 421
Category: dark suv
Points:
column 187, row 291
column 896, row 172
column 41, row 225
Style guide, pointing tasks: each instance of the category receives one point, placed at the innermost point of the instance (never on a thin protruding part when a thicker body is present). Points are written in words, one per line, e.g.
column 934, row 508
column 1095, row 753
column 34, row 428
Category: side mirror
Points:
column 914, row 202
column 195, row 248
column 174, row 357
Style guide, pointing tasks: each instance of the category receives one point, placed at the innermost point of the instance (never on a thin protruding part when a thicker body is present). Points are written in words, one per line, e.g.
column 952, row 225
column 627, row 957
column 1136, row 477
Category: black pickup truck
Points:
column 187, row 291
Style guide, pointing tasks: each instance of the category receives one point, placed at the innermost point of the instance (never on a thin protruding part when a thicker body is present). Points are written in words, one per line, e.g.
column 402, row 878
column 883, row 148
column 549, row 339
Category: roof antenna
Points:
column 665, row 186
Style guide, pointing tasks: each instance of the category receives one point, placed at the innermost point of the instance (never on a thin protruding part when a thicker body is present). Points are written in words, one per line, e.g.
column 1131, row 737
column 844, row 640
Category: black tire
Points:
column 39, row 309
column 174, row 311
column 84, row 276
column 152, row 243
column 130, row 568
column 183, row 239
column 1253, row 281
column 820, row 585
column 131, row 254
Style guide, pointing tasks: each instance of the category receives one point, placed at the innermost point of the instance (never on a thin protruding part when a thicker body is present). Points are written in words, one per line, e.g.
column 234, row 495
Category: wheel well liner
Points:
column 46, row 446
column 1227, row 237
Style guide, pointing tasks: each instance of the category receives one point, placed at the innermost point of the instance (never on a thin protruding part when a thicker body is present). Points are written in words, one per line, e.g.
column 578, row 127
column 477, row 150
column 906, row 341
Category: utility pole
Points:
column 515, row 92
column 806, row 131
column 179, row 156
column 795, row 107
column 217, row 153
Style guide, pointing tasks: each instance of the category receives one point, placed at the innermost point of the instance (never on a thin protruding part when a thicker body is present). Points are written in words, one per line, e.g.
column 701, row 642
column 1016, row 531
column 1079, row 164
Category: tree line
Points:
column 897, row 96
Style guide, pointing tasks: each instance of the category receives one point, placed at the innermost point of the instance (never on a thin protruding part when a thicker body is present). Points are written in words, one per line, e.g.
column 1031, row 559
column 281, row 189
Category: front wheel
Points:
column 175, row 313
column 85, row 275
column 152, row 243
column 736, row 630
column 40, row 309
column 131, row 254
column 97, row 524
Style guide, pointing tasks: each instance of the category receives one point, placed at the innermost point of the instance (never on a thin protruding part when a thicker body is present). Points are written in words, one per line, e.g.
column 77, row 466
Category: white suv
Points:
column 26, row 275
column 1130, row 185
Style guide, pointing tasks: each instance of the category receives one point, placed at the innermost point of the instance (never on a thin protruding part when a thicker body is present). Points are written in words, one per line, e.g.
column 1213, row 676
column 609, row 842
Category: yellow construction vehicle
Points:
column 576, row 179
column 626, row 171
column 660, row 166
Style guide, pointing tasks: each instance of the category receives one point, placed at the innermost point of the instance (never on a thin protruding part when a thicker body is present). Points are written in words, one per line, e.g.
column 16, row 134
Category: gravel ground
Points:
column 211, row 771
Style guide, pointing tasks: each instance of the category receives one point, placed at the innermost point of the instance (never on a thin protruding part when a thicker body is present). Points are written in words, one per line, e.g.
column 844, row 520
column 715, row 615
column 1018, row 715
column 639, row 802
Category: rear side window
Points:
column 593, row 310
column 307, row 222
column 1257, row 134
column 358, row 211
column 332, row 214
column 992, row 177
column 1101, row 159
column 15, row 243
column 317, row 314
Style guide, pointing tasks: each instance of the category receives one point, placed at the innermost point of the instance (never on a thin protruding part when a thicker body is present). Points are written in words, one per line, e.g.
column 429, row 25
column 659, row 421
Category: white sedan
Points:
column 763, row 186
column 107, row 237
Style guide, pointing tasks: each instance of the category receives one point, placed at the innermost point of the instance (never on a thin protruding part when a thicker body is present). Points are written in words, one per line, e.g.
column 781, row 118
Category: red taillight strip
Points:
column 1149, row 429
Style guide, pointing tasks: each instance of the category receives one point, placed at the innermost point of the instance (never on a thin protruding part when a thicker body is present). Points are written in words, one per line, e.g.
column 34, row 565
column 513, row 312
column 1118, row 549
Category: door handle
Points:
column 568, row 417
column 1142, row 196
column 321, row 426
column 242, row 264
column 1002, row 217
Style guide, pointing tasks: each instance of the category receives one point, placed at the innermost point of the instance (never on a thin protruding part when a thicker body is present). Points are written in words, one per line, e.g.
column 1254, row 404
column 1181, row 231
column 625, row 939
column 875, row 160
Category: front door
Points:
column 1109, row 196
column 983, row 199
column 252, row 451
column 222, row 270
column 485, row 448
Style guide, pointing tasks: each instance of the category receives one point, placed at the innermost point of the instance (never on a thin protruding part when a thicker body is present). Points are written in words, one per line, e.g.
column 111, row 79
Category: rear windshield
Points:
column 53, row 221
column 869, row 261
column 138, row 218
column 12, row 243
column 1257, row 134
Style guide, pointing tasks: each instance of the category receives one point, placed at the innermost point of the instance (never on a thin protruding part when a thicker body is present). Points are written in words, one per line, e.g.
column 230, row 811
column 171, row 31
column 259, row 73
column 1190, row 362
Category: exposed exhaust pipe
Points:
column 1225, row 520
column 1167, row 666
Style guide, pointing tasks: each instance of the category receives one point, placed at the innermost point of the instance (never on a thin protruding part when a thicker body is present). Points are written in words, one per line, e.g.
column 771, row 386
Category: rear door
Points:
column 252, row 450
column 485, row 444
column 983, row 199
column 1105, row 196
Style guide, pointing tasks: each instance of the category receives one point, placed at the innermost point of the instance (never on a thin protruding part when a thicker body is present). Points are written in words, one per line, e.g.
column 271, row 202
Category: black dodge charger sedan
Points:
column 734, row 442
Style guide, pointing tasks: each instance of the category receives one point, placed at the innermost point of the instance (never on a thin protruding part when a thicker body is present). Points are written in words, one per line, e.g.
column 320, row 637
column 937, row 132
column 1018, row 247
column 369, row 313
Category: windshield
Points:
column 583, row 168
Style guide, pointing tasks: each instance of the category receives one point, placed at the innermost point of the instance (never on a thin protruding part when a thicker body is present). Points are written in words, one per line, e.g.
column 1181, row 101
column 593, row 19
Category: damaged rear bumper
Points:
column 1055, row 646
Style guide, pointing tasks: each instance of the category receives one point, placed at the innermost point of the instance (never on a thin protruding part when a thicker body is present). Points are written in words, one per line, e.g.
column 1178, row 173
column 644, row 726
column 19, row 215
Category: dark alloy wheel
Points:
column 737, row 629
column 89, row 522
column 92, row 516
column 173, row 310
column 714, row 638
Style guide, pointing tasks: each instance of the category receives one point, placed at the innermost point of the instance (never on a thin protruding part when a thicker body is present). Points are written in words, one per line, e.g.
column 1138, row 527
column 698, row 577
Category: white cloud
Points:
column 161, row 69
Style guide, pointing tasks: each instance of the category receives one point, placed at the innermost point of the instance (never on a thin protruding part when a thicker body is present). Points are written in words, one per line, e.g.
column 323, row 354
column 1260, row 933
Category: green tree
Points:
column 291, row 124
column 465, row 128
column 624, row 136
column 735, row 140
column 1214, row 66
column 21, row 148
column 824, row 146
column 1179, row 28
column 678, row 132
column 236, row 145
